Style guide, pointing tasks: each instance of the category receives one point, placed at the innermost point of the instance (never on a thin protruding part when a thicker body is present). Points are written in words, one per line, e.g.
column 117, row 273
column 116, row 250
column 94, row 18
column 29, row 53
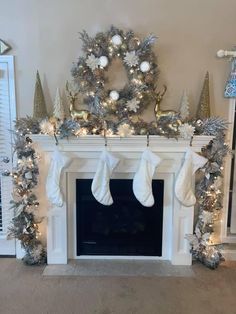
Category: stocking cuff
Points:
column 151, row 157
column 109, row 159
column 63, row 159
column 198, row 161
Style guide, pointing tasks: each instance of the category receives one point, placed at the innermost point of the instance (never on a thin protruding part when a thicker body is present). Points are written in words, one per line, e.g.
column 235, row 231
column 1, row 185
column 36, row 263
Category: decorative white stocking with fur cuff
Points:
column 183, row 185
column 58, row 161
column 101, row 182
column 142, row 182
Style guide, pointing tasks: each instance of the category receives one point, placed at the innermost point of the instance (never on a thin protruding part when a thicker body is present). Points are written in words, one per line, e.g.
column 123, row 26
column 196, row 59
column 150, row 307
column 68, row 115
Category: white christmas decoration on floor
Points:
column 100, row 185
column 183, row 185
column 142, row 182
column 58, row 161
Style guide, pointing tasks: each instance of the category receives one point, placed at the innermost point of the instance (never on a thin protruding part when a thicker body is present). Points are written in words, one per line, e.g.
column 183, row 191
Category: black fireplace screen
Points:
column 124, row 228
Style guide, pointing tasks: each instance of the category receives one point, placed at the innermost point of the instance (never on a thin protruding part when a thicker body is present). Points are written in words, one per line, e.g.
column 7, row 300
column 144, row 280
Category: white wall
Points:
column 44, row 36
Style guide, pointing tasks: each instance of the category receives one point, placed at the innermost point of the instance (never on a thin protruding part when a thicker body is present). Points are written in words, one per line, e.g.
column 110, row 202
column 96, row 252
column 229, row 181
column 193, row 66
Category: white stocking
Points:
column 142, row 182
column 101, row 182
column 183, row 185
column 57, row 163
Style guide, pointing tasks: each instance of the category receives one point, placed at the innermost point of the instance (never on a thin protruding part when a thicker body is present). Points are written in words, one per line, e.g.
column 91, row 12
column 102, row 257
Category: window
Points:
column 7, row 116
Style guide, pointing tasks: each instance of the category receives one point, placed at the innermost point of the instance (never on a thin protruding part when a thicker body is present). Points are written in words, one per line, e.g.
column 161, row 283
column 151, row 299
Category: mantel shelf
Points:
column 116, row 143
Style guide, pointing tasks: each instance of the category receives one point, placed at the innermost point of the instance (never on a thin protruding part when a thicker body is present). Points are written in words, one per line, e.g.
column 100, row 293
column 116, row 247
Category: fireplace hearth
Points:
column 124, row 228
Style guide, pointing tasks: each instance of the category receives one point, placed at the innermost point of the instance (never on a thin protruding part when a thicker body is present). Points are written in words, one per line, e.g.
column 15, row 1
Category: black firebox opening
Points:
column 124, row 228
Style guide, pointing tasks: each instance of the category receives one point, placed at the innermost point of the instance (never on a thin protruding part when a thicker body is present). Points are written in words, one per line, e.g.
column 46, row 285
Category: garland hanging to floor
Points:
column 24, row 226
column 110, row 113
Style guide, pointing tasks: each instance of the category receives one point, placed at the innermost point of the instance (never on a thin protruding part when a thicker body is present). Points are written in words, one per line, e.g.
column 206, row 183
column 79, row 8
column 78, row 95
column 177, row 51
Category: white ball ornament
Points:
column 145, row 66
column 103, row 61
column 114, row 95
column 116, row 40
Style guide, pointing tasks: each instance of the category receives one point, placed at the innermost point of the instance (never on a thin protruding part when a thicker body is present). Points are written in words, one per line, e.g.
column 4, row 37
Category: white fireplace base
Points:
column 85, row 151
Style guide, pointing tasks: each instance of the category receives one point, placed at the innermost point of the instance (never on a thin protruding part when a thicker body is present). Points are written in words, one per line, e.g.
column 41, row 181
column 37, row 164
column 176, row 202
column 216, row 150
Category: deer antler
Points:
column 160, row 95
column 71, row 94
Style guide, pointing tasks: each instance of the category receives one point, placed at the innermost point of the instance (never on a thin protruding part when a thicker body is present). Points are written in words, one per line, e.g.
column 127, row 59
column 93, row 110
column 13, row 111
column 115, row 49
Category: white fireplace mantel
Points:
column 85, row 151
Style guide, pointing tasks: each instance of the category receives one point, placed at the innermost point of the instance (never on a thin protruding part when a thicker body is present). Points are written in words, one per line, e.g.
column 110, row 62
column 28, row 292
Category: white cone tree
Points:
column 58, row 109
column 184, row 106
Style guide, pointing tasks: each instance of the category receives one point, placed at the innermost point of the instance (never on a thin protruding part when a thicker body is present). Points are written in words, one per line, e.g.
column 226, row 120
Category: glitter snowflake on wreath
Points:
column 131, row 59
column 133, row 105
column 92, row 62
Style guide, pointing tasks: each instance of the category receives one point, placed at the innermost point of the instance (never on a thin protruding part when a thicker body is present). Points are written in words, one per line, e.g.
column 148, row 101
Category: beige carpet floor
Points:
column 23, row 290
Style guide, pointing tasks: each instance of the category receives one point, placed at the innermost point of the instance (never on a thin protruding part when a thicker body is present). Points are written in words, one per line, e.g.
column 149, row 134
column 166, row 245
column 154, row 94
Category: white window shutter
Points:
column 7, row 115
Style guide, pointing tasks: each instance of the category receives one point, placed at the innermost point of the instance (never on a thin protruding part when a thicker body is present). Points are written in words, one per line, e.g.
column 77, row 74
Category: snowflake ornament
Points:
column 131, row 59
column 46, row 127
column 124, row 130
column 133, row 104
column 92, row 62
column 186, row 131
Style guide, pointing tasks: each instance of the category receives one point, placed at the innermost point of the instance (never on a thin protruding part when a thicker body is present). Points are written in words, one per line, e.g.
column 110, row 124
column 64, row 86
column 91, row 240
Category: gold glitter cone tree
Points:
column 203, row 111
column 40, row 110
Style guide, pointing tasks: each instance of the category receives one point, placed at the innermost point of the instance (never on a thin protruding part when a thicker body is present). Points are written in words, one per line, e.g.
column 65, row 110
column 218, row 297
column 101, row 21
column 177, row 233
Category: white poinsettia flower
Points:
column 125, row 130
column 198, row 232
column 206, row 217
column 131, row 59
column 47, row 127
column 186, row 131
column 24, row 163
column 205, row 238
column 133, row 104
column 193, row 240
column 92, row 62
